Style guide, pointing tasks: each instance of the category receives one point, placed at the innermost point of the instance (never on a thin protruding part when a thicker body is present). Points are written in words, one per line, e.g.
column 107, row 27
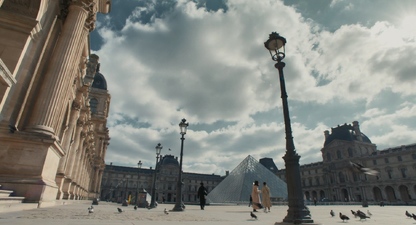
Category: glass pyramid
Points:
column 237, row 186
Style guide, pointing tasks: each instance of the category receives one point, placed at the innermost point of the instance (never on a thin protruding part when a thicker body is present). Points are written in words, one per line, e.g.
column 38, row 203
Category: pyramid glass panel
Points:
column 237, row 186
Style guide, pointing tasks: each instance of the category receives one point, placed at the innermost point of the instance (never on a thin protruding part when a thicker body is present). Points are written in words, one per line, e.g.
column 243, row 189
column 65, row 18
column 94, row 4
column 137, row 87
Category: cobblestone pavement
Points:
column 106, row 213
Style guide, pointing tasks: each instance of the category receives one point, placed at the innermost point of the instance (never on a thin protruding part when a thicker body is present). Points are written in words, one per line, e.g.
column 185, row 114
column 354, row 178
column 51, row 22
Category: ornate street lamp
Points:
column 297, row 212
column 139, row 165
column 178, row 206
column 152, row 202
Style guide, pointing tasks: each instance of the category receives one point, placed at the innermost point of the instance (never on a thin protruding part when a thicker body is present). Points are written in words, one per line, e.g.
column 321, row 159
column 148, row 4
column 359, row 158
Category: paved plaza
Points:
column 106, row 213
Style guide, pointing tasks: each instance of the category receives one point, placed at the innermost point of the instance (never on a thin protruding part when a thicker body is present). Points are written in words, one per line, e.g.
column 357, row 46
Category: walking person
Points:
column 255, row 195
column 265, row 197
column 202, row 192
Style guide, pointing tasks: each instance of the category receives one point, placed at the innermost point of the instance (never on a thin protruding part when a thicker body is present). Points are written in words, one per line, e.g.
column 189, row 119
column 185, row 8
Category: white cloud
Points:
column 212, row 68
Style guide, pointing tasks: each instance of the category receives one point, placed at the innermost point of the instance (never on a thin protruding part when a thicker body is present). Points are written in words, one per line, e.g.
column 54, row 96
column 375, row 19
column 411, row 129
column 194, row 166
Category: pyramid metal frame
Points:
column 237, row 186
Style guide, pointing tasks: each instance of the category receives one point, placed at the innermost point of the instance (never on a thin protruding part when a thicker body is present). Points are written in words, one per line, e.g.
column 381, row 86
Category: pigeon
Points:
column 253, row 215
column 408, row 214
column 343, row 217
column 166, row 211
column 414, row 216
column 369, row 213
column 332, row 213
column 364, row 170
column 90, row 209
column 362, row 215
column 135, row 207
column 354, row 213
column 119, row 210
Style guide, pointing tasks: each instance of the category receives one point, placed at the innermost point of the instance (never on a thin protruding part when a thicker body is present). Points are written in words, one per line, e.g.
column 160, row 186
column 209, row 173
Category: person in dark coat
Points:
column 202, row 192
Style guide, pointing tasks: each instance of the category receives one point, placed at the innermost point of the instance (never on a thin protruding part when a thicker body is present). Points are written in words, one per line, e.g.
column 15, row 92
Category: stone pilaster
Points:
column 45, row 118
column 75, row 148
column 66, row 145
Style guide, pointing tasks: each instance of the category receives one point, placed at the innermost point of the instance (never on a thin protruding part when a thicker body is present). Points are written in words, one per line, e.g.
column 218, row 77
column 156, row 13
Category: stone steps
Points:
column 13, row 203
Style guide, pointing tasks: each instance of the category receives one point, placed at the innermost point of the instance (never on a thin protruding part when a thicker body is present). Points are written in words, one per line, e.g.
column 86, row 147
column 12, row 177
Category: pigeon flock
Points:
column 410, row 215
column 357, row 214
column 360, row 214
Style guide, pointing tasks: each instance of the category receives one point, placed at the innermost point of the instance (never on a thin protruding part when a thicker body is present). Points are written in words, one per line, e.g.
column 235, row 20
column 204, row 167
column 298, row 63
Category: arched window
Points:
column 328, row 156
column 93, row 105
column 317, row 181
column 339, row 154
column 350, row 154
column 354, row 177
column 341, row 177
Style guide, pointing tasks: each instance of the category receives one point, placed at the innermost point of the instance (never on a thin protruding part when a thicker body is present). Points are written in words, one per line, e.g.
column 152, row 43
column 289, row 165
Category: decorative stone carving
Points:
column 22, row 7
column 76, row 106
column 90, row 6
column 92, row 65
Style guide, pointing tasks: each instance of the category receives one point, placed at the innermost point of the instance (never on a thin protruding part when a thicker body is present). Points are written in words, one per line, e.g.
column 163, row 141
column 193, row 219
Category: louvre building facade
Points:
column 121, row 182
column 334, row 179
column 54, row 102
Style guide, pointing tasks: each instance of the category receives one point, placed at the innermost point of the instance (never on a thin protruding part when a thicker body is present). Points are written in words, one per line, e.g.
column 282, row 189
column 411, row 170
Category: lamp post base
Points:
column 178, row 209
column 298, row 216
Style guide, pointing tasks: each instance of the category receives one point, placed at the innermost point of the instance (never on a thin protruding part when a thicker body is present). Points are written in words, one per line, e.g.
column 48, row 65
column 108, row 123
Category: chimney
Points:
column 227, row 173
column 357, row 130
column 326, row 134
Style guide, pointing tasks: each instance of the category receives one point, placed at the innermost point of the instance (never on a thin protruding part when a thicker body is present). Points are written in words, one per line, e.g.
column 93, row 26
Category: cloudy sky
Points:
column 204, row 60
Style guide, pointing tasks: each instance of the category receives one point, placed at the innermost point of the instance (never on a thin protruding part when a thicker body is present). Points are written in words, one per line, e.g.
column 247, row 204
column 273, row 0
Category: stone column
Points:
column 52, row 94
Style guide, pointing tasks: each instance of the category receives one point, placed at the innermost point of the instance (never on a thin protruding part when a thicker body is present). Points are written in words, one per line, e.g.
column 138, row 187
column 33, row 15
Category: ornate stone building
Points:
column 334, row 179
column 127, row 182
column 53, row 134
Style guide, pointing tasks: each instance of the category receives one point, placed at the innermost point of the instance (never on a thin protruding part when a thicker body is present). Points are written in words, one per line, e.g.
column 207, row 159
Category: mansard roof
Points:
column 269, row 164
column 169, row 159
column 345, row 133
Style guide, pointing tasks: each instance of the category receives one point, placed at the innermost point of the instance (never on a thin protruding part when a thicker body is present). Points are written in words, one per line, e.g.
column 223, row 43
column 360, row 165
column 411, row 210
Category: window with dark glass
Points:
column 403, row 171
column 350, row 152
column 389, row 173
column 328, row 156
column 93, row 105
column 339, row 154
column 341, row 177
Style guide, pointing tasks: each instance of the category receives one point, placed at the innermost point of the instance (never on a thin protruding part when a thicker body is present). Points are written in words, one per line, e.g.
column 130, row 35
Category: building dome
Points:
column 169, row 159
column 346, row 133
column 99, row 81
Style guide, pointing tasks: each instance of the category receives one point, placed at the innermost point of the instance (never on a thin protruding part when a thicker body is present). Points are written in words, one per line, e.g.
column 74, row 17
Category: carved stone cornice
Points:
column 22, row 7
column 91, row 8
